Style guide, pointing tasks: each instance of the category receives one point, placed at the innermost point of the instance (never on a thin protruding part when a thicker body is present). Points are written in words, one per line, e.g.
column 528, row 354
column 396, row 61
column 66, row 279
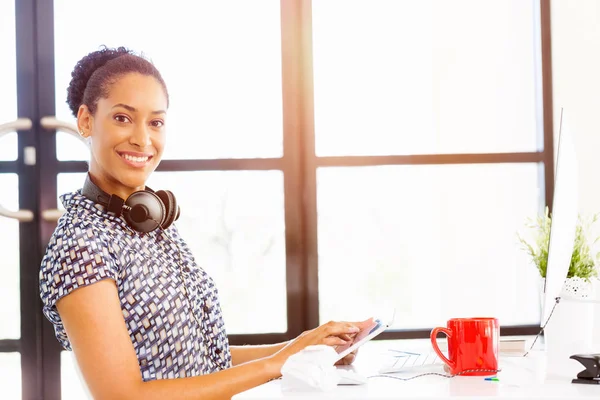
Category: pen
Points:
column 494, row 379
column 405, row 352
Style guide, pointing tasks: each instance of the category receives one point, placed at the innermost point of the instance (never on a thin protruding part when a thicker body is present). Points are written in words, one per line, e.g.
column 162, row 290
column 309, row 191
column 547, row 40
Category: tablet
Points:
column 361, row 338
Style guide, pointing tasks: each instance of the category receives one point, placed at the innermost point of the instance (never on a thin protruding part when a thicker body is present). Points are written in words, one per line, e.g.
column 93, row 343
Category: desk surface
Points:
column 520, row 377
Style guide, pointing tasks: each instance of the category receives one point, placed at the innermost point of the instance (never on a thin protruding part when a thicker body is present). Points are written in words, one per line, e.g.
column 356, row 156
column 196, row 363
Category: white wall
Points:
column 576, row 87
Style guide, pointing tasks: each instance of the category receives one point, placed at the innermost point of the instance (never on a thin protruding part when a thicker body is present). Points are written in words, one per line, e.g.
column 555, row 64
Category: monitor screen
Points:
column 564, row 217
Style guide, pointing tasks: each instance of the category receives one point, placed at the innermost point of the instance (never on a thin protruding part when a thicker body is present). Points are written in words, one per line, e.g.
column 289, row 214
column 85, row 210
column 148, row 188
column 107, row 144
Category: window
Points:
column 10, row 285
column 234, row 226
column 425, row 221
column 224, row 79
column 8, row 79
column 10, row 379
column 426, row 77
column 9, row 263
column 426, row 240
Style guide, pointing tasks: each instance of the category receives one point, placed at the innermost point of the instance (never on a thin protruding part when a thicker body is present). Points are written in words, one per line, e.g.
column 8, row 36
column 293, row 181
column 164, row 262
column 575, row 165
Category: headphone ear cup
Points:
column 153, row 207
column 171, row 207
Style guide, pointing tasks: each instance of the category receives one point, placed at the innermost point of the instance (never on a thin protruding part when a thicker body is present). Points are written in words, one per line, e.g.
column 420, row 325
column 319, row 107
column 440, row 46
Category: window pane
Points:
column 233, row 222
column 8, row 146
column 224, row 80
column 10, row 378
column 10, row 312
column 8, row 78
column 433, row 241
column 68, row 147
column 428, row 76
column 67, row 183
column 72, row 385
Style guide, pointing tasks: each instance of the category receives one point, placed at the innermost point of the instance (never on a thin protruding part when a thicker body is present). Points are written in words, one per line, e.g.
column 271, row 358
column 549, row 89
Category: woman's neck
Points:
column 112, row 186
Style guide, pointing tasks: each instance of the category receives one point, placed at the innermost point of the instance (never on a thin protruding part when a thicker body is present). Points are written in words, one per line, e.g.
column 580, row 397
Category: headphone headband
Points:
column 93, row 192
column 113, row 203
column 144, row 210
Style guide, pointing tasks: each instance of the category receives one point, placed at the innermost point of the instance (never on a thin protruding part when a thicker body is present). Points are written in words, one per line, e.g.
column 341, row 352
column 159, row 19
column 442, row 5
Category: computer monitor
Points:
column 564, row 218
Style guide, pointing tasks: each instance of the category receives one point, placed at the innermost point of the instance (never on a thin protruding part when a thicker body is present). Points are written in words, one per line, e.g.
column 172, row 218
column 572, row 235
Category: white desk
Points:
column 521, row 377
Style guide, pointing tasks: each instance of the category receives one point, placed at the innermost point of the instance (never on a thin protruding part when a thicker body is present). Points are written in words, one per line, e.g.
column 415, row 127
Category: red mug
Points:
column 472, row 345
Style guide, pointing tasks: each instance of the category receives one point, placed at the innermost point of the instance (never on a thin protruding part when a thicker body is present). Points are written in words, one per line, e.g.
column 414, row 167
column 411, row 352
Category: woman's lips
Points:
column 136, row 160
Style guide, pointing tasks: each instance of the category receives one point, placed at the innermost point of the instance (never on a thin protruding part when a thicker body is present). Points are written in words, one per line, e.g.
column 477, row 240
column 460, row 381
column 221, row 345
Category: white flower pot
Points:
column 570, row 329
column 577, row 288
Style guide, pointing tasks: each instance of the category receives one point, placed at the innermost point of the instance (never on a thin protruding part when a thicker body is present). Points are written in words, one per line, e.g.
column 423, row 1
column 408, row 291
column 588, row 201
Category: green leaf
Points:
column 582, row 265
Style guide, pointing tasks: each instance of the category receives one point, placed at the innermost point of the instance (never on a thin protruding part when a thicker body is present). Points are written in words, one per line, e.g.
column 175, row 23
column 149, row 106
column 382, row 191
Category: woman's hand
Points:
column 348, row 359
column 331, row 334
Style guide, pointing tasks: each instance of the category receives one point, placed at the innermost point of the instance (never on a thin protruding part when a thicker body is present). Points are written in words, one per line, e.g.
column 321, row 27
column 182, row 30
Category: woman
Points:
column 142, row 319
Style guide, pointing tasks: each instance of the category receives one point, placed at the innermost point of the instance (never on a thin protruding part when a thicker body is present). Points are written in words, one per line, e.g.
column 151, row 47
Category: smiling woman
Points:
column 130, row 301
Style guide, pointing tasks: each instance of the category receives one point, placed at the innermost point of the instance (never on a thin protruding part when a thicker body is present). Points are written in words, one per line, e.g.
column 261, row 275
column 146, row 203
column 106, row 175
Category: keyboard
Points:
column 404, row 361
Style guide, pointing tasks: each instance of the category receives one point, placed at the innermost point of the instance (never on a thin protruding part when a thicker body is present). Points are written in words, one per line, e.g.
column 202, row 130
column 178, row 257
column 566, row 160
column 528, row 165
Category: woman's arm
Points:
column 244, row 354
column 95, row 326
column 94, row 323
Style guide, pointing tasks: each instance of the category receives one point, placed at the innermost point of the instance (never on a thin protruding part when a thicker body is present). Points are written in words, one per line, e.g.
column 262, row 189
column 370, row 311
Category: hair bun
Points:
column 84, row 69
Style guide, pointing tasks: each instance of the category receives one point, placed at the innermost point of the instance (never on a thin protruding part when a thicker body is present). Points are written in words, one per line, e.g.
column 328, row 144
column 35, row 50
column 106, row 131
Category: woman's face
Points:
column 127, row 133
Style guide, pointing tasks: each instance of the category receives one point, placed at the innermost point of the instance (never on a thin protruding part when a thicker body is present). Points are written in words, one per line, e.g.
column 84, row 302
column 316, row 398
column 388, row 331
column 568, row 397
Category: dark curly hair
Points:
column 92, row 76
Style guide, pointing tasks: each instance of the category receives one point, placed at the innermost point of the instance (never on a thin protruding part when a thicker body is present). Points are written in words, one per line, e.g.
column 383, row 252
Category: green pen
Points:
column 493, row 379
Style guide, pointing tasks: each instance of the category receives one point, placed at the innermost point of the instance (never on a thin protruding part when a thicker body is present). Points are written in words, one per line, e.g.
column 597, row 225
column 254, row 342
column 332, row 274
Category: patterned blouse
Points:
column 157, row 279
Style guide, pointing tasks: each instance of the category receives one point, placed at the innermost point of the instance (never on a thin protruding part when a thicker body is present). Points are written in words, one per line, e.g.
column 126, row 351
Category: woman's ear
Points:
column 84, row 121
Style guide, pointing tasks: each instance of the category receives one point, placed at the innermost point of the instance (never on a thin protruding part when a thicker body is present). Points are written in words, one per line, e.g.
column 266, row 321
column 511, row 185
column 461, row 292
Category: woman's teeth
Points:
column 135, row 159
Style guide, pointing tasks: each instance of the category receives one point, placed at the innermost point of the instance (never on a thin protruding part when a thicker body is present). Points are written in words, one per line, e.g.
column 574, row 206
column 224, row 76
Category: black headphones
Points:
column 144, row 210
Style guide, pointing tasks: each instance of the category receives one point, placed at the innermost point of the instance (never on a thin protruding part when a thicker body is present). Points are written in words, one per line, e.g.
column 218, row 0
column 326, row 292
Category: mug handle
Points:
column 433, row 337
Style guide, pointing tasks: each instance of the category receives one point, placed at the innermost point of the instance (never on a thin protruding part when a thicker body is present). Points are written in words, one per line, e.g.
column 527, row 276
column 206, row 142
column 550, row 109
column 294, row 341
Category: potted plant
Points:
column 584, row 262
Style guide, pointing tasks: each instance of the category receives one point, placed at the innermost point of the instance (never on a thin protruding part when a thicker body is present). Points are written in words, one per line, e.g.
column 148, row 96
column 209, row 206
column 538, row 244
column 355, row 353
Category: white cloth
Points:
column 311, row 369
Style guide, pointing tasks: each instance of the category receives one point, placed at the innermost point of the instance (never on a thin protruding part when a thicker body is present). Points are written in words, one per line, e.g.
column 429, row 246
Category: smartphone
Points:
column 361, row 338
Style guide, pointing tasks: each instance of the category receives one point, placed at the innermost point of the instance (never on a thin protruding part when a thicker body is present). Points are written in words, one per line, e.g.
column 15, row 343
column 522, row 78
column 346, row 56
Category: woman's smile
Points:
column 135, row 159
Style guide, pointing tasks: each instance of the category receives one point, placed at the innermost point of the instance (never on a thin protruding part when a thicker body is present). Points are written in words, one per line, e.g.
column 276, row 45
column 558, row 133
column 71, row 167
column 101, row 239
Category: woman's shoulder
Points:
column 84, row 224
column 83, row 211
column 80, row 250
column 79, row 253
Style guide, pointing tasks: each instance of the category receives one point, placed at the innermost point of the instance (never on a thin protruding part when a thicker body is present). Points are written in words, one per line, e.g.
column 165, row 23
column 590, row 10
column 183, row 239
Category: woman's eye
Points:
column 158, row 123
column 121, row 118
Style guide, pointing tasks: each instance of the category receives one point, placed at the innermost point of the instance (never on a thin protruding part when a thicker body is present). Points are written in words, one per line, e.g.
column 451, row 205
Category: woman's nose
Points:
column 140, row 136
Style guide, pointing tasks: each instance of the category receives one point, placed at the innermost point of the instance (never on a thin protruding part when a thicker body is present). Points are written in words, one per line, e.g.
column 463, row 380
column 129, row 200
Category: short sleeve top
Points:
column 170, row 305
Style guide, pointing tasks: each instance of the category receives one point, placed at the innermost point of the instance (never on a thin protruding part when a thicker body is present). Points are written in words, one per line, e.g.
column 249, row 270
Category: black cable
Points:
column 543, row 327
column 434, row 373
